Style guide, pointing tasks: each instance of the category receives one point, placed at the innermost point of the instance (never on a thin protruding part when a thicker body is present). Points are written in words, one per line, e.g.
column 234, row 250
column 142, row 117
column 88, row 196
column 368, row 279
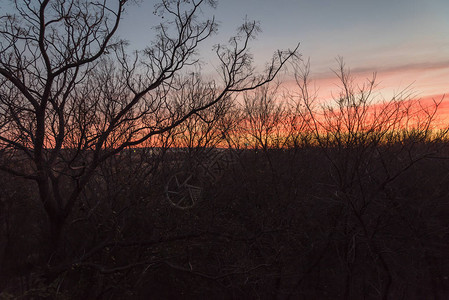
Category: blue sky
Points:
column 403, row 39
column 325, row 27
column 387, row 36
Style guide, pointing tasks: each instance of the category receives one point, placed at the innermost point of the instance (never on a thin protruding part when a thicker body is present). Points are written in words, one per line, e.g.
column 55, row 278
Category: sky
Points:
column 405, row 41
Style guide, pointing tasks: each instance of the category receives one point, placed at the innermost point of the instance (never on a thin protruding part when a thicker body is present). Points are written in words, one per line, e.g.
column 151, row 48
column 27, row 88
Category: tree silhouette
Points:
column 72, row 96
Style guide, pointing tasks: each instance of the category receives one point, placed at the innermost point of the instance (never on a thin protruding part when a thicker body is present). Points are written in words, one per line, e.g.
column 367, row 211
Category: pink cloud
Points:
column 418, row 80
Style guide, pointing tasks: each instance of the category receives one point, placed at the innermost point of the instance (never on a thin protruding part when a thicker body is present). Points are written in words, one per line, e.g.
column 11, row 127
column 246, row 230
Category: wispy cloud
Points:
column 423, row 79
column 422, row 66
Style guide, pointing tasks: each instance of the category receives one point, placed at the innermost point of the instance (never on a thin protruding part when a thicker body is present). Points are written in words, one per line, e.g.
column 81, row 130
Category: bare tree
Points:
column 369, row 143
column 263, row 113
column 71, row 95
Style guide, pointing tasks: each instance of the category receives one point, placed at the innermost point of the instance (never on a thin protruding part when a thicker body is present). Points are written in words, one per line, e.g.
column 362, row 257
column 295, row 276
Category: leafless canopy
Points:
column 71, row 94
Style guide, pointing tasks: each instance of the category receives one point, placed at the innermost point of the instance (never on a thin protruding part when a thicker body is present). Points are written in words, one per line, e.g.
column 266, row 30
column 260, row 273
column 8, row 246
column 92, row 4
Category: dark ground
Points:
column 304, row 223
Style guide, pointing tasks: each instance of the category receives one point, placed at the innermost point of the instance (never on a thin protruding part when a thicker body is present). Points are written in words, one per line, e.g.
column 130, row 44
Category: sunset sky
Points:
column 405, row 41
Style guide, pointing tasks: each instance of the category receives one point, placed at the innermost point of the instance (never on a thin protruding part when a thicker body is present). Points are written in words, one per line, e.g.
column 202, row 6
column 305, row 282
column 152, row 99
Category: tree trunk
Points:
column 56, row 218
column 56, row 227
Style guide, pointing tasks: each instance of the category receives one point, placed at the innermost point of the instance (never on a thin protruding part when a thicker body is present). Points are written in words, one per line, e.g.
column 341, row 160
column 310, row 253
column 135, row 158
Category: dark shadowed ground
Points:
column 304, row 223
